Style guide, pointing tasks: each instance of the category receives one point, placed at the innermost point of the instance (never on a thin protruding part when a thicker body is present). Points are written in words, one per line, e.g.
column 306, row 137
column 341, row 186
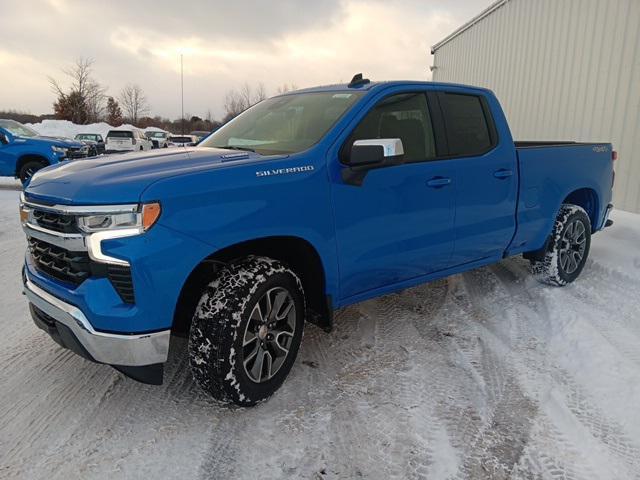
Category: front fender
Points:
column 227, row 206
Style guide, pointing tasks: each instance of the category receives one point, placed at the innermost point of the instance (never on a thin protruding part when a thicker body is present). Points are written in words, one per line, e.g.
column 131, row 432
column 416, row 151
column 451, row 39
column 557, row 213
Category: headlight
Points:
column 59, row 149
column 141, row 220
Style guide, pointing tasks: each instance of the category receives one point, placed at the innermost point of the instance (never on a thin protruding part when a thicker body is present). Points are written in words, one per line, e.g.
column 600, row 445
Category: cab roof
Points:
column 371, row 86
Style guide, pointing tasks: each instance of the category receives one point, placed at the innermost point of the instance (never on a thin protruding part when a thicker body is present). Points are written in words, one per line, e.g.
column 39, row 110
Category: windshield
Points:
column 120, row 134
column 17, row 129
column 287, row 124
column 87, row 136
column 156, row 134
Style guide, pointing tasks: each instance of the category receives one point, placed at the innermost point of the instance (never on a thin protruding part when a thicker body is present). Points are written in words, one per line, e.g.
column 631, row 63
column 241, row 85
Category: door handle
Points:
column 502, row 173
column 438, row 182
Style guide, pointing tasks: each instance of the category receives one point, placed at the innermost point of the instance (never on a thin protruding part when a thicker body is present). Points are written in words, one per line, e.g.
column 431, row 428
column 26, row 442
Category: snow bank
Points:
column 65, row 128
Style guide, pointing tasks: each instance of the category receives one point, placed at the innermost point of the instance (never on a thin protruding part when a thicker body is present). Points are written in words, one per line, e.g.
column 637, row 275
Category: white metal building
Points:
column 562, row 69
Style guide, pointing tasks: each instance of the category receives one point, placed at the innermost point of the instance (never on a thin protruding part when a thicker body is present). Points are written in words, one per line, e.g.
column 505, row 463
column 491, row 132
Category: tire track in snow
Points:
column 612, row 436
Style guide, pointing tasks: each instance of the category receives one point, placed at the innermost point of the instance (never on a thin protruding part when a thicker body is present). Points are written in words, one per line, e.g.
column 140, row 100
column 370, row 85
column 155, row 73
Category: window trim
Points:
column 488, row 116
column 342, row 151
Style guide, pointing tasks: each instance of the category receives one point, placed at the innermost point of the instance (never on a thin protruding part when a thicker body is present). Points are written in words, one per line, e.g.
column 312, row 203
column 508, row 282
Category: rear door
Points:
column 120, row 140
column 487, row 177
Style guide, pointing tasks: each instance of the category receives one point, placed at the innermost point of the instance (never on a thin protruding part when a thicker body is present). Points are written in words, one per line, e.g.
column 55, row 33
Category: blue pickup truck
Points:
column 305, row 203
column 23, row 151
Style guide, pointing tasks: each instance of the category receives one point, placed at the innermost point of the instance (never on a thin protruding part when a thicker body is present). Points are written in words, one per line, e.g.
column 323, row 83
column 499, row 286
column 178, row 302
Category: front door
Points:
column 399, row 224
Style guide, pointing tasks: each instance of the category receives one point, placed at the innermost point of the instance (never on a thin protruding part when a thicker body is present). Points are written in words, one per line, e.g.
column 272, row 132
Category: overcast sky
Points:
column 225, row 43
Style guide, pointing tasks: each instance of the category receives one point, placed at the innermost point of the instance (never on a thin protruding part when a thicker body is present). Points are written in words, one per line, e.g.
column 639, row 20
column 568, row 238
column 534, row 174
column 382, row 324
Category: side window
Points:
column 468, row 130
column 404, row 116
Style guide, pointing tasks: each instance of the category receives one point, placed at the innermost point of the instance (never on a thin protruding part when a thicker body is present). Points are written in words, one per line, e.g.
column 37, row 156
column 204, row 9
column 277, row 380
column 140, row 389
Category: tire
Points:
column 568, row 248
column 28, row 169
column 228, row 337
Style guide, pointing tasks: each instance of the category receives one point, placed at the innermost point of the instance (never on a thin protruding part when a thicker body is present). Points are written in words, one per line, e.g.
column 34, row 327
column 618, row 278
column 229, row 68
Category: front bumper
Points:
column 124, row 351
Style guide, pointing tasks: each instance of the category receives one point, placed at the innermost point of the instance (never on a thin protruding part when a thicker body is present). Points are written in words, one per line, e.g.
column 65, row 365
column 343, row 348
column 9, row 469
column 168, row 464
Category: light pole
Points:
column 181, row 97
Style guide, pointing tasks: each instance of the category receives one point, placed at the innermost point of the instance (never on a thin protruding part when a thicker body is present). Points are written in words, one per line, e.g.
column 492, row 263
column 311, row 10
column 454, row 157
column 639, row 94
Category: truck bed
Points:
column 549, row 171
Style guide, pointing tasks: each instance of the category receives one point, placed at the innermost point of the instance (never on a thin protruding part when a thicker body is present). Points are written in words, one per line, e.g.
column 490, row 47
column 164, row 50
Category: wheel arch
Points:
column 27, row 157
column 299, row 254
column 586, row 198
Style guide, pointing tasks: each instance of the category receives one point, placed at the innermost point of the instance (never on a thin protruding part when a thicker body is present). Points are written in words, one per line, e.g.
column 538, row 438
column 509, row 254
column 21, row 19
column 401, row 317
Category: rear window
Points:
column 468, row 129
column 119, row 134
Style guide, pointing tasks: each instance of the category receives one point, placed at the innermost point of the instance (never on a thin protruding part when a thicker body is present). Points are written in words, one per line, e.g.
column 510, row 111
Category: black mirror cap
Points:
column 364, row 158
column 3, row 139
column 366, row 155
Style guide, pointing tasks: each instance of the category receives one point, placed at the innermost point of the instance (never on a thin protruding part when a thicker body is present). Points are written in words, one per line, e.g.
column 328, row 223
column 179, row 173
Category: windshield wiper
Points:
column 236, row 147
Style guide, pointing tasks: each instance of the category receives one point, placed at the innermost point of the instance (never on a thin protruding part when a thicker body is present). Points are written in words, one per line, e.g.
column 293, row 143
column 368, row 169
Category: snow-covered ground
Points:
column 65, row 128
column 487, row 374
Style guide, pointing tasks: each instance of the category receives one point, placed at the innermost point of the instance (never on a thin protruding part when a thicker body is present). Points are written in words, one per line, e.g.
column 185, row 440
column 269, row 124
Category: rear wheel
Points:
column 568, row 249
column 246, row 331
column 28, row 169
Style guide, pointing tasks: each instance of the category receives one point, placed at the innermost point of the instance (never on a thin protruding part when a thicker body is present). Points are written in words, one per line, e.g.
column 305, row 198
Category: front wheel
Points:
column 568, row 248
column 28, row 169
column 246, row 331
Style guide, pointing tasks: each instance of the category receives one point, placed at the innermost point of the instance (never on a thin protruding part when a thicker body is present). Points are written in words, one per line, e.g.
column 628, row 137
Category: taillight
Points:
column 614, row 155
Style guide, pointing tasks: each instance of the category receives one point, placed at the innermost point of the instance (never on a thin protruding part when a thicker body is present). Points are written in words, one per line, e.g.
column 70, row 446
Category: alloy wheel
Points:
column 268, row 335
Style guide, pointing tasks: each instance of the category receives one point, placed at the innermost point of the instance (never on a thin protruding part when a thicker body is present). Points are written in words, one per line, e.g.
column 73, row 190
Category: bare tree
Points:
column 134, row 102
column 87, row 94
column 237, row 101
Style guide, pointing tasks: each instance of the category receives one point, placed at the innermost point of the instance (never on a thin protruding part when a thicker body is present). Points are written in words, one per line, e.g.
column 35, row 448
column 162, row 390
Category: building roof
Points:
column 486, row 12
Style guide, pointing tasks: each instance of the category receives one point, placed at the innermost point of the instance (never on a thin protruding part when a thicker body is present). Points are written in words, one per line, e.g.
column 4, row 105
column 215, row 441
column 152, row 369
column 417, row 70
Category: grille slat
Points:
column 120, row 278
column 57, row 222
column 70, row 267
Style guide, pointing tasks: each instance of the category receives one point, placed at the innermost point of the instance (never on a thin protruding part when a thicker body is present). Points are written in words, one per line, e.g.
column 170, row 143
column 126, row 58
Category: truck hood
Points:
column 122, row 178
column 46, row 141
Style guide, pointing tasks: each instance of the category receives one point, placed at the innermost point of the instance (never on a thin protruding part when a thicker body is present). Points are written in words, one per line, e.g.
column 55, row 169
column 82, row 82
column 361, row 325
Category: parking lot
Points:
column 487, row 373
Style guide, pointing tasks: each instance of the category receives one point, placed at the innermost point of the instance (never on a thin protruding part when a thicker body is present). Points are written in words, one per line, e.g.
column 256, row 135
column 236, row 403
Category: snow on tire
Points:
column 246, row 331
column 568, row 248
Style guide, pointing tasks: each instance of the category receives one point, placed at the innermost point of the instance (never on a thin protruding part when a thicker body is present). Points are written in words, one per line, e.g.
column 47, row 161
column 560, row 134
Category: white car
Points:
column 183, row 140
column 158, row 139
column 126, row 140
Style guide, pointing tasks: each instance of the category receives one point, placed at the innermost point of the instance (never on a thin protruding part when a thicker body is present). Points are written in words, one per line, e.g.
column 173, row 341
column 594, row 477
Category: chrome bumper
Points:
column 109, row 348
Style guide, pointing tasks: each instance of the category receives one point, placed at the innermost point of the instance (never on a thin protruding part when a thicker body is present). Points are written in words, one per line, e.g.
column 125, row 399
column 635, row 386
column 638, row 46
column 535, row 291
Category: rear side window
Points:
column 119, row 134
column 404, row 116
column 468, row 128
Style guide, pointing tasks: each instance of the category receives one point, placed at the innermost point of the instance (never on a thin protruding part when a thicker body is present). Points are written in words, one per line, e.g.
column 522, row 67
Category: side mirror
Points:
column 3, row 139
column 367, row 155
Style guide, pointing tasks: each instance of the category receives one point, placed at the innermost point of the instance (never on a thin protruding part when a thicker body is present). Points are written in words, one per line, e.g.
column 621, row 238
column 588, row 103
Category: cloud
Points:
column 224, row 44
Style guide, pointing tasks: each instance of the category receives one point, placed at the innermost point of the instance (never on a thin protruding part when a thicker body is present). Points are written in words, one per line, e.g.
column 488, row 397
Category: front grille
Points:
column 58, row 222
column 120, row 278
column 77, row 152
column 70, row 267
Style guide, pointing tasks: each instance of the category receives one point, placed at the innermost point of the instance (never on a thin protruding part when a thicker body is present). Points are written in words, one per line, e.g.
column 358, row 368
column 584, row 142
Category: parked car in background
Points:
column 200, row 134
column 94, row 141
column 183, row 140
column 307, row 202
column 158, row 139
column 23, row 151
column 126, row 140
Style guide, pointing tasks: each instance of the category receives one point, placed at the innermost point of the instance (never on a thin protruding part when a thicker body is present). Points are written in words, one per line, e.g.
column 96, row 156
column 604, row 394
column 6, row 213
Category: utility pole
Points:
column 182, row 97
